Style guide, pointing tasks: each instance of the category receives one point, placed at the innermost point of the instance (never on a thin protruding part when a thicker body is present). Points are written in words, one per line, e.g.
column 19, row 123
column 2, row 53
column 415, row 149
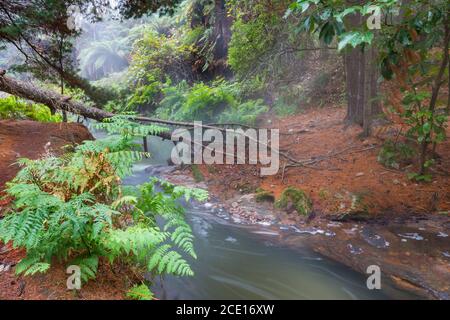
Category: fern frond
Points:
column 140, row 292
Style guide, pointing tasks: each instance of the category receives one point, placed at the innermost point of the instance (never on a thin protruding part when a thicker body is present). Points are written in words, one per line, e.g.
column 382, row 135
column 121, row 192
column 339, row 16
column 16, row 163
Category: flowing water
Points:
column 243, row 262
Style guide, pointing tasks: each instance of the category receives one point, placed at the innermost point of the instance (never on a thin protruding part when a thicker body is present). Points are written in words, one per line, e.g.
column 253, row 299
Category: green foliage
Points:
column 298, row 198
column 264, row 195
column 155, row 59
column 326, row 19
column 219, row 101
column 74, row 208
column 198, row 176
column 282, row 109
column 406, row 51
column 393, row 155
column 244, row 113
column 14, row 108
column 251, row 41
column 140, row 292
column 205, row 102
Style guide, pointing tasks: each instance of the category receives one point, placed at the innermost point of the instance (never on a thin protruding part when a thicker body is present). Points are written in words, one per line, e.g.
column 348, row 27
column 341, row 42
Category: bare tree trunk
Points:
column 369, row 72
column 354, row 70
column 375, row 74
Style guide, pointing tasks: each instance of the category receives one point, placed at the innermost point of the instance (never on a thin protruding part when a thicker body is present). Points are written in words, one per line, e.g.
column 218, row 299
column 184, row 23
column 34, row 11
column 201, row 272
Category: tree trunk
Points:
column 435, row 90
column 56, row 101
column 50, row 98
column 222, row 30
column 354, row 70
column 361, row 82
column 369, row 88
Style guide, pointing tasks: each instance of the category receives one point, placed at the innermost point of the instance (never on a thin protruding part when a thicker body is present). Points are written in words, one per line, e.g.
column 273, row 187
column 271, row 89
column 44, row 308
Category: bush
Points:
column 74, row 208
column 156, row 58
column 244, row 113
column 264, row 195
column 14, row 108
column 283, row 110
column 394, row 155
column 219, row 101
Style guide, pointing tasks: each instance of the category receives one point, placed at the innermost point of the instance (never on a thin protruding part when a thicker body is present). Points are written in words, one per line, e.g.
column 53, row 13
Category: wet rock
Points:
column 312, row 231
column 263, row 195
column 300, row 201
column 334, row 224
column 208, row 205
column 374, row 239
column 352, row 216
column 354, row 250
column 413, row 236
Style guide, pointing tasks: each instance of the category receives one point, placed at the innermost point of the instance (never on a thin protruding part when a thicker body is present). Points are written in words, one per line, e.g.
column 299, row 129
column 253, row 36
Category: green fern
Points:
column 40, row 267
column 140, row 292
column 74, row 208
column 88, row 267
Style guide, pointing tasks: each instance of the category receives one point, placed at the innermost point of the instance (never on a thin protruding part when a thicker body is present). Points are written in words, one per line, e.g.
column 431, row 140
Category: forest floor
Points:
column 343, row 176
column 31, row 139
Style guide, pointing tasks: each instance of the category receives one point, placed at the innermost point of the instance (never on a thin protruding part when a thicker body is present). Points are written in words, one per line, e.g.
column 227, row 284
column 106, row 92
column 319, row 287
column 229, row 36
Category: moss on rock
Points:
column 264, row 195
column 298, row 198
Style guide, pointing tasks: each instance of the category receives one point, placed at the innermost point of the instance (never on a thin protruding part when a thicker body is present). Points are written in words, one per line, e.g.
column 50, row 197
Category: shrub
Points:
column 219, row 101
column 14, row 108
column 393, row 155
column 244, row 113
column 74, row 208
column 264, row 195
column 156, row 58
column 283, row 110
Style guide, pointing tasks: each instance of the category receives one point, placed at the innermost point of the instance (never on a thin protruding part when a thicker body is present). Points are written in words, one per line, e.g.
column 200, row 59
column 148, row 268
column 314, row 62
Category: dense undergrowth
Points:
column 176, row 73
column 75, row 209
column 14, row 108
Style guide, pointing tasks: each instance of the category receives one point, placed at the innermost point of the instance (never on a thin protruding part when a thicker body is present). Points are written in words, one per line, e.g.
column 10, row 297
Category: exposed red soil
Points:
column 350, row 169
column 31, row 139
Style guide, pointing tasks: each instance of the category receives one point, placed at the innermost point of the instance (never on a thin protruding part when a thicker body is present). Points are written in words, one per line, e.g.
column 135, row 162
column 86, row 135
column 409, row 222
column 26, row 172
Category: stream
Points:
column 238, row 261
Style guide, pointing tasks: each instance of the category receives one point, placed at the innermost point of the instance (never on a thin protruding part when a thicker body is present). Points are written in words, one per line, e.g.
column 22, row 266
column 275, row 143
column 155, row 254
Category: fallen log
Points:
column 49, row 98
column 57, row 101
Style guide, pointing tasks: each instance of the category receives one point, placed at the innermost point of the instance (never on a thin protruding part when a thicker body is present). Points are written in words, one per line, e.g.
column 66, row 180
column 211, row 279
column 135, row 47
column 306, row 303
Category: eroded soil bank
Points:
column 29, row 139
column 343, row 169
